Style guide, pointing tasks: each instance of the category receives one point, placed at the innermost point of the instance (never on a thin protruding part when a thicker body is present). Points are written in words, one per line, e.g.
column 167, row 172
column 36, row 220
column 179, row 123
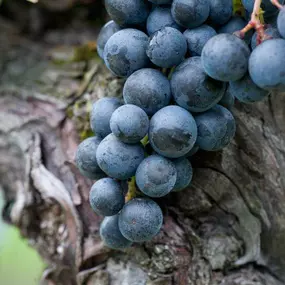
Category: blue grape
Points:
column 167, row 47
column 190, row 13
column 106, row 197
column 86, row 158
column 216, row 128
column 127, row 12
column 148, row 89
column 266, row 65
column 228, row 100
column 129, row 123
column 193, row 89
column 159, row 18
column 192, row 151
column 184, row 173
column 140, row 220
column 160, row 2
column 111, row 235
column 233, row 25
column 246, row 91
column 125, row 52
column 106, row 32
column 272, row 32
column 172, row 132
column 101, row 113
column 117, row 159
column 197, row 38
column 225, row 57
column 220, row 11
column 281, row 23
column 156, row 176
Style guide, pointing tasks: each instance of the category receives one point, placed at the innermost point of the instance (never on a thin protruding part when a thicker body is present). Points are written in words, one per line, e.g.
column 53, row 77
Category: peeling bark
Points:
column 228, row 228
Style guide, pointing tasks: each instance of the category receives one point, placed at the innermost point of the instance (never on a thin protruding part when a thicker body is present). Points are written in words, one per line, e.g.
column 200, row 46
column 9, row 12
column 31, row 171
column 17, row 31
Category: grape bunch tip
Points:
column 185, row 64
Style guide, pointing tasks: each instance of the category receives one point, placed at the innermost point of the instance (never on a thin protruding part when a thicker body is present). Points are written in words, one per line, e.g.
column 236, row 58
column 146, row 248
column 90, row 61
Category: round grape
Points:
column 125, row 52
column 140, row 220
column 216, row 128
column 159, row 18
column 197, row 38
column 106, row 197
column 220, row 11
column 190, row 13
column 86, row 158
column 127, row 12
column 172, row 132
column 192, row 151
column 184, row 173
column 156, row 176
column 225, row 57
column 148, row 89
column 271, row 32
column 266, row 66
column 106, row 32
column 129, row 123
column 117, row 159
column 233, row 25
column 167, row 47
column 111, row 235
column 101, row 113
column 228, row 100
column 246, row 91
column 281, row 22
column 193, row 89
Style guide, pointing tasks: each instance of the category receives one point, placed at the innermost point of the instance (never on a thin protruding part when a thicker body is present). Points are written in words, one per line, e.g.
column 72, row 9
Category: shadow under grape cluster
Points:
column 184, row 67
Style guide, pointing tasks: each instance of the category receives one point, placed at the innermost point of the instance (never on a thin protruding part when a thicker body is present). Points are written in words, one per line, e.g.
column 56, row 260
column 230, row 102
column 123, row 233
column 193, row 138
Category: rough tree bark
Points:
column 228, row 228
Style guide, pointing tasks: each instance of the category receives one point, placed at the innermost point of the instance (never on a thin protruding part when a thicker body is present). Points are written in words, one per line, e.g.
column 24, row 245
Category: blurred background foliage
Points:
column 20, row 264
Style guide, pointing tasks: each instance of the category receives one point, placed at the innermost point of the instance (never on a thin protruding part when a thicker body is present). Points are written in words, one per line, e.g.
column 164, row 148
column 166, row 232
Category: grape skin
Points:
column 184, row 173
column 246, row 91
column 106, row 197
column 192, row 151
column 220, row 11
column 216, row 128
column 156, row 176
column 125, row 52
column 172, row 132
column 117, row 159
column 197, row 38
column 225, row 57
column 127, row 12
column 272, row 32
column 148, row 89
column 111, row 235
column 86, row 158
column 167, row 47
column 106, row 32
column 140, row 220
column 193, row 89
column 266, row 67
column 129, row 123
column 159, row 18
column 101, row 113
column 190, row 13
column 281, row 22
column 236, row 24
column 228, row 100
column 160, row 2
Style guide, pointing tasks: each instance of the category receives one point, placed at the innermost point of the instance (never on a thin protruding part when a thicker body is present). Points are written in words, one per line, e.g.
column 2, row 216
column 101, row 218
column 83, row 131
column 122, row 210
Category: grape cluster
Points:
column 184, row 66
